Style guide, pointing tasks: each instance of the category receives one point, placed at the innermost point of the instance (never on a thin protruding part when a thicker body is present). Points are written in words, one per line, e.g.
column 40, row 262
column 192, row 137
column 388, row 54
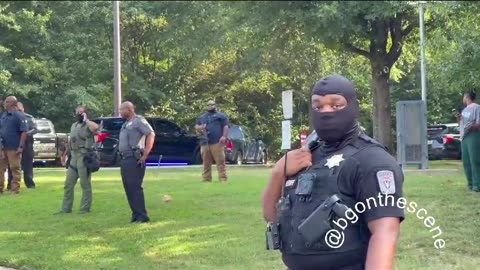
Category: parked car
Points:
column 47, row 144
column 444, row 141
column 172, row 143
column 241, row 147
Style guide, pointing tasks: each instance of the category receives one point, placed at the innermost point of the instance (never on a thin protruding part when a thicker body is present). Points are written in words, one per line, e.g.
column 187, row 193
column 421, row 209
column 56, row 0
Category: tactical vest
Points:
column 325, row 184
column 80, row 137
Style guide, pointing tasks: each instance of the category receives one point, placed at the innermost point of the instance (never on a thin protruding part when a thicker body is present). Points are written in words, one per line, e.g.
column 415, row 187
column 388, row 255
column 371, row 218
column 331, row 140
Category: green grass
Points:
column 440, row 164
column 206, row 226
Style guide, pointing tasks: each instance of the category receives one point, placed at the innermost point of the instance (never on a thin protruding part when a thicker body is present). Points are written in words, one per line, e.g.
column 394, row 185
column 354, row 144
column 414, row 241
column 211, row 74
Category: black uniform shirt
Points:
column 373, row 177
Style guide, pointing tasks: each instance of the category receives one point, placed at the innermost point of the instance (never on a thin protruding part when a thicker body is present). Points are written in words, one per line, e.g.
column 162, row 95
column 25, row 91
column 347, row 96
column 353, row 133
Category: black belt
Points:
column 126, row 154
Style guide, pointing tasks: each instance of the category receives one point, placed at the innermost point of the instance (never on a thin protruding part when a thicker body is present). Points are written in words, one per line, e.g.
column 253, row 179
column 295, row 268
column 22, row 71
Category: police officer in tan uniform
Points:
column 81, row 141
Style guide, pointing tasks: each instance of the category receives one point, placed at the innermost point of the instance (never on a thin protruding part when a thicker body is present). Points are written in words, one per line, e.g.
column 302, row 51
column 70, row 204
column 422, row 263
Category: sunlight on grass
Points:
column 87, row 252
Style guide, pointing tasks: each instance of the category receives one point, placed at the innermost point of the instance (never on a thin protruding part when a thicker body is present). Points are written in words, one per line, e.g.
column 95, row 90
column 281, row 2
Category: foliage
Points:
column 178, row 55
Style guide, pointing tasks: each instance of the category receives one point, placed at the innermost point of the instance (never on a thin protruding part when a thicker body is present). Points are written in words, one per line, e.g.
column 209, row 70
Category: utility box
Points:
column 412, row 147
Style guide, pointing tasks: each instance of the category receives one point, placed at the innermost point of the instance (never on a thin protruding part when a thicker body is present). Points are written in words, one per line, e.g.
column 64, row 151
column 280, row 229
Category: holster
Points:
column 91, row 161
column 318, row 223
column 137, row 153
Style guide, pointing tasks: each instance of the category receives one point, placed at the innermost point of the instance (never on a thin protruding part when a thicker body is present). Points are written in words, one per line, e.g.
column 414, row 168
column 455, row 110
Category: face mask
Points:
column 334, row 126
column 79, row 118
column 212, row 110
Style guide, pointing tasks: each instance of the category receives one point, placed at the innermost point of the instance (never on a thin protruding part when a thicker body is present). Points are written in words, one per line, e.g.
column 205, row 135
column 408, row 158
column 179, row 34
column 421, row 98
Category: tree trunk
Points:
column 382, row 123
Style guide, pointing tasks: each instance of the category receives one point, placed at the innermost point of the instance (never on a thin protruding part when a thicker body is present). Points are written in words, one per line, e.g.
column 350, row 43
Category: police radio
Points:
column 272, row 233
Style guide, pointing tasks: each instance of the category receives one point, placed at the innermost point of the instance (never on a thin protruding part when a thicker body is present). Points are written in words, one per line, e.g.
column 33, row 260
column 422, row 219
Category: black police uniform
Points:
column 28, row 153
column 350, row 170
column 353, row 177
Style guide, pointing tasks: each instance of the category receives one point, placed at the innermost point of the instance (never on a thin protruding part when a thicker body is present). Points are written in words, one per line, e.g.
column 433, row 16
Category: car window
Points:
column 246, row 133
column 437, row 130
column 234, row 133
column 453, row 130
column 163, row 126
column 110, row 124
column 44, row 126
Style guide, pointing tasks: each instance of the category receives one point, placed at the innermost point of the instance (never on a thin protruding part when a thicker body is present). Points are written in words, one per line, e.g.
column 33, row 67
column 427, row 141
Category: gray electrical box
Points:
column 412, row 147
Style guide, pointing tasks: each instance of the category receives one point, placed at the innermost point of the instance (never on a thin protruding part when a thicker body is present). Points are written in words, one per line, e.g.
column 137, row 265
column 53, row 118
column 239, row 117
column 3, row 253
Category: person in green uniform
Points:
column 470, row 133
column 81, row 141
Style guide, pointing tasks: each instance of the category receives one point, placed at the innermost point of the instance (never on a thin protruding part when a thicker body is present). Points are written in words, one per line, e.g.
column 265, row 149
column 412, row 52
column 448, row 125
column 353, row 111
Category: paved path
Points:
column 3, row 268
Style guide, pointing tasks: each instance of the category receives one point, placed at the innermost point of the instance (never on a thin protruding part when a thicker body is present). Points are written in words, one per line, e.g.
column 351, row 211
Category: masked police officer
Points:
column 136, row 142
column 334, row 205
column 81, row 142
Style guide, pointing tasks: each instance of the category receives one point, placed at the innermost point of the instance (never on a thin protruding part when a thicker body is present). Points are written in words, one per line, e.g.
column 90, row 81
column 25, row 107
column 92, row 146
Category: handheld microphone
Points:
column 314, row 144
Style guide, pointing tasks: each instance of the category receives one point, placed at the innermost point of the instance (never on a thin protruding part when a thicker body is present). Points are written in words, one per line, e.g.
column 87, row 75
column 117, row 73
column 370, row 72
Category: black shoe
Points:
column 32, row 187
column 145, row 220
column 61, row 212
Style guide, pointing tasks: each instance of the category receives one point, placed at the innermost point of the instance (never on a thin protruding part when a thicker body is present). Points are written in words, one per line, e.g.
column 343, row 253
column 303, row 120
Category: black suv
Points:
column 242, row 148
column 172, row 144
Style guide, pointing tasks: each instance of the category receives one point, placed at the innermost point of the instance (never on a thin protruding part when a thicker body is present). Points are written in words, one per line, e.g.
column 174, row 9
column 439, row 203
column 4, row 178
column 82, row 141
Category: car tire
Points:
column 116, row 161
column 263, row 158
column 239, row 159
column 197, row 158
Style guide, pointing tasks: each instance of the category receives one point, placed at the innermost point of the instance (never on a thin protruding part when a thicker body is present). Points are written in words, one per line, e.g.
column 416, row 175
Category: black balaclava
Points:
column 79, row 118
column 337, row 126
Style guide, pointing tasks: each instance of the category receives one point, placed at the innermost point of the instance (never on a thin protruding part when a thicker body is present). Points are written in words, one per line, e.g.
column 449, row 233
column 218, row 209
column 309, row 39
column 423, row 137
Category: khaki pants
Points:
column 210, row 153
column 10, row 160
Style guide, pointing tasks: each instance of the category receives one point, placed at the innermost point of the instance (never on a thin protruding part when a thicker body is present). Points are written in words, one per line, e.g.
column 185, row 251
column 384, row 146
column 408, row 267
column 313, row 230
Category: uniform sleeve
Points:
column 22, row 123
column 144, row 127
column 477, row 114
column 380, row 186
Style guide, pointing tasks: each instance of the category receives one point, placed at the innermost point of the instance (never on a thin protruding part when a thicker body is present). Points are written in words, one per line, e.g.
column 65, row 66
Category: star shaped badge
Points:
column 334, row 161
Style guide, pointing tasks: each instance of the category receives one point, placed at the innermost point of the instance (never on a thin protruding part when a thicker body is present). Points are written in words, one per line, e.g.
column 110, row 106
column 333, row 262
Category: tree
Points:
column 374, row 30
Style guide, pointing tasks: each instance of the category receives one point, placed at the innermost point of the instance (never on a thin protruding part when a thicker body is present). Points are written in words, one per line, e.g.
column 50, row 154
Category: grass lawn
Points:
column 207, row 226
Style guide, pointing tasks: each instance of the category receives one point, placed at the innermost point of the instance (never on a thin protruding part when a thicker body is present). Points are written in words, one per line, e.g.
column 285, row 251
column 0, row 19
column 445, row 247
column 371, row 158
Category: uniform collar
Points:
column 11, row 112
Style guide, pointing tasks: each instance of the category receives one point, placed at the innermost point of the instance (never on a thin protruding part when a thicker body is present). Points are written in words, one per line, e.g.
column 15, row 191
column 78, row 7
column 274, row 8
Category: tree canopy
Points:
column 177, row 55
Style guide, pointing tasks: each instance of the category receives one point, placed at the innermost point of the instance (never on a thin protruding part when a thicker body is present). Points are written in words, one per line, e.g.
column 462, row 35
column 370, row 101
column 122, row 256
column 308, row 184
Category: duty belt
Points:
column 126, row 154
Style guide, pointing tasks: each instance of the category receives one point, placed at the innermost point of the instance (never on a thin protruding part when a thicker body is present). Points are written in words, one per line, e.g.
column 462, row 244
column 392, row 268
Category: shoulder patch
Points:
column 289, row 183
column 386, row 182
